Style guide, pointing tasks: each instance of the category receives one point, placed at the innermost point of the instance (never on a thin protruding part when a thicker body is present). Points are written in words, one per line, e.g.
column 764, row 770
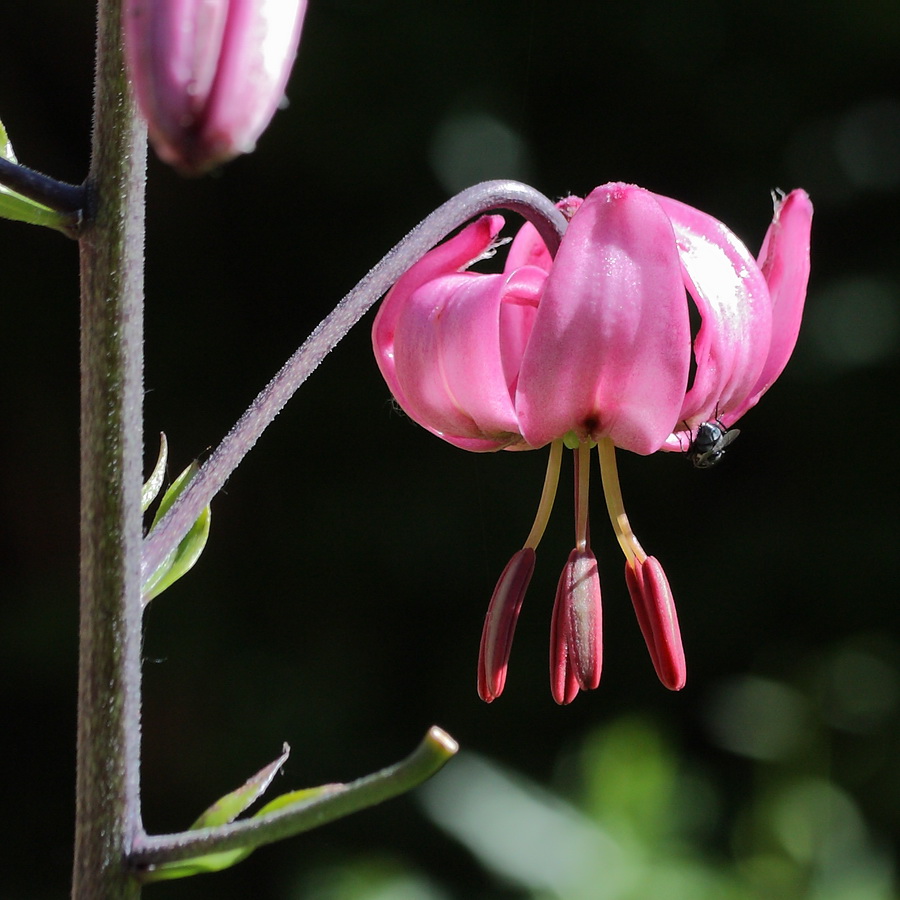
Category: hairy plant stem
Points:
column 473, row 201
column 108, row 815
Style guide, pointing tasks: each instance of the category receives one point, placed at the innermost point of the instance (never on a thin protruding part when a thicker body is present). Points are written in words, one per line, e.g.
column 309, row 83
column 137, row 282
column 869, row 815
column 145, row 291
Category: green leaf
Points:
column 299, row 798
column 6, row 147
column 20, row 209
column 216, row 862
column 226, row 809
column 181, row 560
column 150, row 490
column 287, row 815
column 212, row 862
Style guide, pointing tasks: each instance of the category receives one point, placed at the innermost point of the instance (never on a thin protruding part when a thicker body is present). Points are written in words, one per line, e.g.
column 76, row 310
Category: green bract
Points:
column 151, row 487
column 226, row 809
column 183, row 557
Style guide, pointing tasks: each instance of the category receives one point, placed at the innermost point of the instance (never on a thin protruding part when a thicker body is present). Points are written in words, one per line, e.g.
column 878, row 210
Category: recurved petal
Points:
column 449, row 360
column 452, row 256
column 610, row 349
column 732, row 298
column 446, row 340
column 447, row 259
column 481, row 339
column 528, row 249
column 784, row 260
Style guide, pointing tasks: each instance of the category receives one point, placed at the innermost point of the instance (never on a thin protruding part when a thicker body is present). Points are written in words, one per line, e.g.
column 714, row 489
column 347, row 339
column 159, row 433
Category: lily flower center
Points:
column 576, row 643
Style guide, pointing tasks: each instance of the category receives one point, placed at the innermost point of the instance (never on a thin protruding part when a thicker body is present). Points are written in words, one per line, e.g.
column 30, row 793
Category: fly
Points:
column 709, row 443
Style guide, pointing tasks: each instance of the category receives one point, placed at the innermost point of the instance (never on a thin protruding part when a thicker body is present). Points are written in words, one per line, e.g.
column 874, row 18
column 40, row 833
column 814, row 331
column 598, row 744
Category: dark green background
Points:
column 339, row 603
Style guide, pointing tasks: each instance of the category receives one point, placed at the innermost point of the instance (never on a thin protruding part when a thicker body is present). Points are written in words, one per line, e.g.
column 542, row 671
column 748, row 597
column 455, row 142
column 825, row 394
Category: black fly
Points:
column 709, row 443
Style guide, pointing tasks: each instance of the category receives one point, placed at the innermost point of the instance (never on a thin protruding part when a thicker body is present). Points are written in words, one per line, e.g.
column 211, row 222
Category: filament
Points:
column 548, row 495
column 582, row 492
column 614, row 505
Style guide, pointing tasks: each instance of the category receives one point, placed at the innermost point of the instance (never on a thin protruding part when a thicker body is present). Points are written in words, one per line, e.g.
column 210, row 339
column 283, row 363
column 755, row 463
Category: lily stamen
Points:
column 576, row 626
column 548, row 495
column 612, row 491
column 506, row 601
column 582, row 493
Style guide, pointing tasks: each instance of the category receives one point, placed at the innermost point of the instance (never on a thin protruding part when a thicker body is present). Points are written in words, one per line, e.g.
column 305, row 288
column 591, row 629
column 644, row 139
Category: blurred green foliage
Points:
column 636, row 818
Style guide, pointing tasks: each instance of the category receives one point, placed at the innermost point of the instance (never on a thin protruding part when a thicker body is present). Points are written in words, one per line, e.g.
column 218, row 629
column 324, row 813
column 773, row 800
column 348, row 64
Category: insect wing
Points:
column 709, row 446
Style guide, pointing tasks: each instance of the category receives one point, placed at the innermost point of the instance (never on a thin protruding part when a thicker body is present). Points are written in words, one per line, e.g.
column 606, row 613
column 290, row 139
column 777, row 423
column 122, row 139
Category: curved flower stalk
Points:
column 591, row 349
column 174, row 526
column 209, row 74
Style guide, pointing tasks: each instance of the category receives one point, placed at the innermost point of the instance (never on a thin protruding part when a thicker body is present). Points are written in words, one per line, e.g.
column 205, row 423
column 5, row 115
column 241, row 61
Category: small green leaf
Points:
column 150, row 490
column 182, row 558
column 215, row 862
column 226, row 809
column 288, row 814
column 298, row 798
column 6, row 147
column 212, row 862
column 20, row 209
column 175, row 489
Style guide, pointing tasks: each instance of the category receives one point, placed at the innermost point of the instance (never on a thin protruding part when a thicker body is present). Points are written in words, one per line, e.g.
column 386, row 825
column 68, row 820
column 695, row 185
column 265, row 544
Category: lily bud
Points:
column 209, row 74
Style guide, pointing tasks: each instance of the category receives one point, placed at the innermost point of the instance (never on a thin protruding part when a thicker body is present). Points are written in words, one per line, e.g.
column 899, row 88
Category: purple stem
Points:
column 334, row 802
column 57, row 195
column 472, row 202
column 107, row 800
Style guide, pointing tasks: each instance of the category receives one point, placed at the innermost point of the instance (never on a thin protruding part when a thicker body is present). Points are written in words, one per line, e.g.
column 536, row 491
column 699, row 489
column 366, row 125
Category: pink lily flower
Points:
column 591, row 349
column 209, row 74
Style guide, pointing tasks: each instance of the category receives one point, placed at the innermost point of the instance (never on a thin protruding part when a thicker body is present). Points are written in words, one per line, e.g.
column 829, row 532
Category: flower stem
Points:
column 107, row 817
column 432, row 753
column 520, row 198
column 57, row 195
